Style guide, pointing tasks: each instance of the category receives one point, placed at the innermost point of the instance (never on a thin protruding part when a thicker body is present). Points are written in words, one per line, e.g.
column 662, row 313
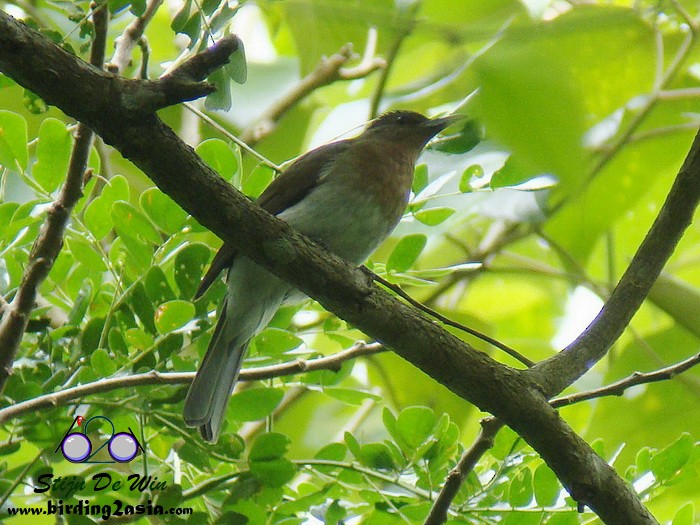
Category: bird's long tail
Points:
column 212, row 386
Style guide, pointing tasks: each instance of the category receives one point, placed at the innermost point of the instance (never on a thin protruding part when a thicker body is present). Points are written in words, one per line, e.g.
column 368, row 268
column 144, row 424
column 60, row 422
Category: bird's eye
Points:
column 401, row 119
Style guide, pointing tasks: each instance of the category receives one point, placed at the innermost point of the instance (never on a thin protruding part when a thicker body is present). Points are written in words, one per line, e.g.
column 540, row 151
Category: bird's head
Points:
column 407, row 128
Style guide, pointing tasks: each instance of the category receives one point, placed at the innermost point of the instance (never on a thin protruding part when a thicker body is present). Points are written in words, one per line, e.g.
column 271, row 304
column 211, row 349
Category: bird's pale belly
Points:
column 350, row 225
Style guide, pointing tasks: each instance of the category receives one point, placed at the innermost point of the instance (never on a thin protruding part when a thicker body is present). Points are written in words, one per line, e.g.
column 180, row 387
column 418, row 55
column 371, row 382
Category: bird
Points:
column 347, row 196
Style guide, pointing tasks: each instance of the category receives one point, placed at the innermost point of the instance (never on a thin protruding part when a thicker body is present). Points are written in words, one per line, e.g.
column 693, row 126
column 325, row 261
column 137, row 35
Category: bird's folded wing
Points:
column 297, row 181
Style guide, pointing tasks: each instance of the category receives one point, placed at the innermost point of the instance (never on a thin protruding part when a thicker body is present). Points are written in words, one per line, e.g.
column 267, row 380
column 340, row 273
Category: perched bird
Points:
column 347, row 196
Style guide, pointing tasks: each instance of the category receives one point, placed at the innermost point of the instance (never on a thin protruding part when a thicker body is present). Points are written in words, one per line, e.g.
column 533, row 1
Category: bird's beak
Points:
column 438, row 124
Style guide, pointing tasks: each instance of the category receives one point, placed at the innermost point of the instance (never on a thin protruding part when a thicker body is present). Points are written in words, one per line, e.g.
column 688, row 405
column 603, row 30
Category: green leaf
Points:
column 53, row 154
column 267, row 462
column 391, row 425
column 140, row 253
column 188, row 20
column 352, row 444
column 534, row 90
column 685, row 515
column 670, row 460
column 520, row 491
column 81, row 303
column 257, row 180
column 98, row 217
column 415, row 425
column 162, row 210
column 132, row 223
column 406, row 252
column 117, row 5
column 475, row 171
column 220, row 157
column 173, row 315
column 523, row 518
column 470, row 134
column 512, row 173
column 274, row 472
column 189, row 267
column 376, row 456
column 319, row 28
column 335, row 513
column 564, row 518
column 237, row 68
column 157, row 287
column 116, row 189
column 142, row 306
column 102, row 364
column 420, row 178
column 13, row 141
column 546, row 486
column 138, row 7
column 434, row 216
column 85, row 253
column 643, row 459
column 90, row 337
column 7, row 211
column 333, row 452
column 272, row 445
column 98, row 214
column 221, row 98
column 254, row 403
column 223, row 14
column 275, row 341
column 351, row 396
column 9, row 448
column 116, row 342
column 33, row 102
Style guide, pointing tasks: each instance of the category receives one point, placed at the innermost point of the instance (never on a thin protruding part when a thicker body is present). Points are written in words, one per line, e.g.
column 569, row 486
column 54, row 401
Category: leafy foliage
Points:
column 520, row 222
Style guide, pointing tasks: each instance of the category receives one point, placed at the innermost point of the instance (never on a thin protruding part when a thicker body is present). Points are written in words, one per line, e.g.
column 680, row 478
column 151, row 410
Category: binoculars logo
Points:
column 76, row 447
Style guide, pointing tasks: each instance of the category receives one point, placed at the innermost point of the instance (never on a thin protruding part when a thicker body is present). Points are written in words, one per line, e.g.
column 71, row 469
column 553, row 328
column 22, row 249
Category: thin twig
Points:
column 332, row 362
column 438, row 513
column 446, row 320
column 48, row 244
column 403, row 33
column 328, row 70
column 214, row 124
column 145, row 56
column 638, row 378
column 500, row 234
column 692, row 22
column 125, row 43
column 679, row 94
column 654, row 133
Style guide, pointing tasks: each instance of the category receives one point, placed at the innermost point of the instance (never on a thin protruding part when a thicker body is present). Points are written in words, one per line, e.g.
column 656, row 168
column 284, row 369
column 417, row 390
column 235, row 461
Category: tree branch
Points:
column 332, row 362
column 511, row 395
column 561, row 370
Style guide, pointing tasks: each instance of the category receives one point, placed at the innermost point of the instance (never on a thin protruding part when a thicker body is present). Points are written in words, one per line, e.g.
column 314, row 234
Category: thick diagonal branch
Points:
column 558, row 372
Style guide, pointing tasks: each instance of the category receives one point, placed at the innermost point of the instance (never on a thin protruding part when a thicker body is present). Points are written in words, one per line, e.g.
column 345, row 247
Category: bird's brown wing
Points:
column 302, row 176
